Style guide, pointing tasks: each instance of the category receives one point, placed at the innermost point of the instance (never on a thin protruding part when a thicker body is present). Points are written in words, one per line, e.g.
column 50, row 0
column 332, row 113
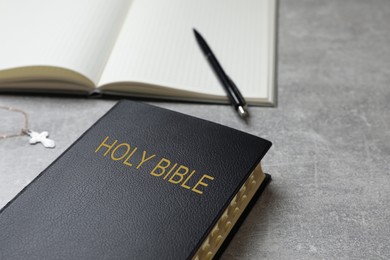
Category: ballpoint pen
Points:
column 234, row 95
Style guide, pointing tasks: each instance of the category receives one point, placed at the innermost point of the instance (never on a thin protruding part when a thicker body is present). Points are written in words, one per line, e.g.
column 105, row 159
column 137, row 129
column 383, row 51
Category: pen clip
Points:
column 237, row 94
column 241, row 106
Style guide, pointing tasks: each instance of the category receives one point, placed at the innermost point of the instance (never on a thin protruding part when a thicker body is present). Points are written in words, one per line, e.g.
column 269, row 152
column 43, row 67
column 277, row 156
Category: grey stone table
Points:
column 330, row 162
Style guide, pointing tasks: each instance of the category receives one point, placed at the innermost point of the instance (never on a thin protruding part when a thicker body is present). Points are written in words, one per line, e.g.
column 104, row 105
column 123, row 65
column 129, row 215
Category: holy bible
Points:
column 142, row 183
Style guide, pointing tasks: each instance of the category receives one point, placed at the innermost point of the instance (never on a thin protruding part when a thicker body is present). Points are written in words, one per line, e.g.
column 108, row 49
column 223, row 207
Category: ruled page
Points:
column 77, row 35
column 157, row 45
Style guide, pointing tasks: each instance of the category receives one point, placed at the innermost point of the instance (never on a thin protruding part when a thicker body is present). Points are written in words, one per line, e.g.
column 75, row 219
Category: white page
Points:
column 74, row 34
column 157, row 45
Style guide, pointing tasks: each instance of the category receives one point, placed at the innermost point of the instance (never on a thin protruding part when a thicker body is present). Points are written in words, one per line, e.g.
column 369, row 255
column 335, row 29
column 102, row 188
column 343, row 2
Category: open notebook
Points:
column 139, row 48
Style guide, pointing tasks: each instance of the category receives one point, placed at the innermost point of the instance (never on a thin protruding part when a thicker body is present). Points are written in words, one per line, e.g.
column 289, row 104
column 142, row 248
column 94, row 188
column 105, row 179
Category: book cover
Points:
column 142, row 183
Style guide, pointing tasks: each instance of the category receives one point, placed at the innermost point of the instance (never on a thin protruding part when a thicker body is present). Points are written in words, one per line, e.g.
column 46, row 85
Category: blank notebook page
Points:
column 157, row 46
column 77, row 35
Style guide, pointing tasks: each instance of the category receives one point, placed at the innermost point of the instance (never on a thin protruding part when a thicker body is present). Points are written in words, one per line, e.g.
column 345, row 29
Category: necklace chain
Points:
column 24, row 130
column 35, row 137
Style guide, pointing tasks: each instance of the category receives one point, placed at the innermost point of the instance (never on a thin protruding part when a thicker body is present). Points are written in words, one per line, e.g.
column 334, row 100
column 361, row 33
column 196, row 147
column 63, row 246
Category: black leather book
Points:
column 142, row 183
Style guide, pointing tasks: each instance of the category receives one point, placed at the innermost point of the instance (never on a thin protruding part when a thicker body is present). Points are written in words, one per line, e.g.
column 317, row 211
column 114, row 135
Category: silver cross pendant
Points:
column 42, row 138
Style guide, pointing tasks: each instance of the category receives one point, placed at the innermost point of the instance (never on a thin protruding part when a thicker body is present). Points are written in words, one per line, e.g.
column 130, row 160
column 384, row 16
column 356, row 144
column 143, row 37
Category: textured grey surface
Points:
column 330, row 163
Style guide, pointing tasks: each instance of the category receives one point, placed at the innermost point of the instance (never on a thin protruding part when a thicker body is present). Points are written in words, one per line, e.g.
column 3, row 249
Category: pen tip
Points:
column 195, row 32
